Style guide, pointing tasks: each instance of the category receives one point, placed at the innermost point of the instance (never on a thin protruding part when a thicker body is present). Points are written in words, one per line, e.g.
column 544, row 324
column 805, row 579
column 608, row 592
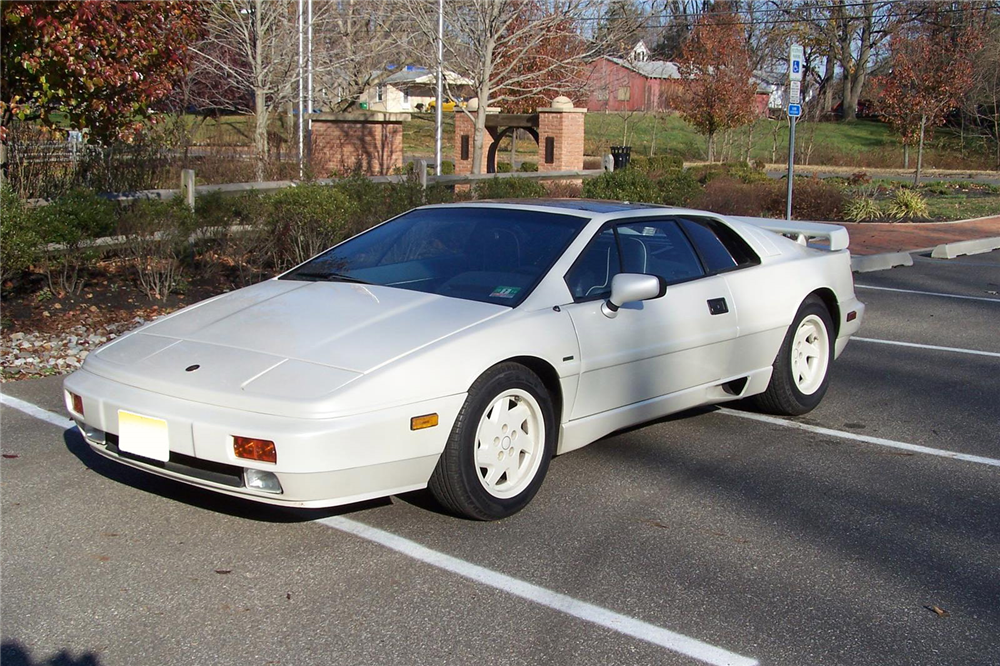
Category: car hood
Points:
column 283, row 339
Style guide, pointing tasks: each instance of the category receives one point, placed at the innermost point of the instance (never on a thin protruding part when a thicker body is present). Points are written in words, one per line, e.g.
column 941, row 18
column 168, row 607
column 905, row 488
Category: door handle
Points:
column 717, row 306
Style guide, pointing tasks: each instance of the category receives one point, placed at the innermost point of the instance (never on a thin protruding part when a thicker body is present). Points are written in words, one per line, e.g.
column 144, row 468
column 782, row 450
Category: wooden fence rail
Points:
column 189, row 191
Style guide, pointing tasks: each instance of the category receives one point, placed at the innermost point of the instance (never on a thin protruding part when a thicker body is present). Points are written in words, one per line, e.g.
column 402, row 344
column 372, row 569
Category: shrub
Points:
column 19, row 242
column 678, row 188
column 564, row 189
column 447, row 167
column 73, row 220
column 307, row 219
column 812, row 199
column 156, row 239
column 862, row 209
column 657, row 163
column 732, row 197
column 907, row 204
column 623, row 185
column 859, row 178
column 509, row 188
column 504, row 167
column 236, row 229
column 528, row 167
column 741, row 171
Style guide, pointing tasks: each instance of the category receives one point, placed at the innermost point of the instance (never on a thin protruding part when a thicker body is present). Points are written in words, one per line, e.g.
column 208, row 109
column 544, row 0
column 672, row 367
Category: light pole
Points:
column 440, row 78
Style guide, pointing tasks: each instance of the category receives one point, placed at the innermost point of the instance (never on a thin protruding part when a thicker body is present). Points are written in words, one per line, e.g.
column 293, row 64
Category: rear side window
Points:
column 720, row 247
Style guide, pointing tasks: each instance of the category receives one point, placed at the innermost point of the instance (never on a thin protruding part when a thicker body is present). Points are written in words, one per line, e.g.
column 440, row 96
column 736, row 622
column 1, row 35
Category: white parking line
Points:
column 819, row 430
column 623, row 624
column 957, row 350
column 928, row 293
column 37, row 412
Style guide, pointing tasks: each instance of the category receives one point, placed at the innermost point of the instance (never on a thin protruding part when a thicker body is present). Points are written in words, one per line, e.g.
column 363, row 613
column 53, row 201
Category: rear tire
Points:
column 500, row 447
column 802, row 368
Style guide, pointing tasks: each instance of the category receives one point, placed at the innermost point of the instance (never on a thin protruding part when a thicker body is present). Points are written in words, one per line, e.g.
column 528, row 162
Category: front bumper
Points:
column 320, row 462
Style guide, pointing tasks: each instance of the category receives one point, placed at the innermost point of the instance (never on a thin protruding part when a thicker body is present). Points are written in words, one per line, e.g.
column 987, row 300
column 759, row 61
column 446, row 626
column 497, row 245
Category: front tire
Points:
column 801, row 372
column 500, row 447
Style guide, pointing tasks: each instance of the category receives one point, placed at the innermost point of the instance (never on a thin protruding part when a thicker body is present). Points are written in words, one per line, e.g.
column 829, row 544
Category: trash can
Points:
column 364, row 106
column 622, row 156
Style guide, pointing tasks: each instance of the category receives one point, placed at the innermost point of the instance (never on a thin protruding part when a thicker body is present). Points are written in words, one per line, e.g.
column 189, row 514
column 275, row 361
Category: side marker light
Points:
column 425, row 421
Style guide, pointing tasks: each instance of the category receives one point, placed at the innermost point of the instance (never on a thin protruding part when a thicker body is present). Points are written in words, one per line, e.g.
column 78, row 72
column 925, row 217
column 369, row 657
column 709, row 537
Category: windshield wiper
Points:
column 325, row 277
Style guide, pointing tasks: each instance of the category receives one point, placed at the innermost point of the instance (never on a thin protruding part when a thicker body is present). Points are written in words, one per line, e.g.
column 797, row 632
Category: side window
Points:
column 720, row 247
column 591, row 275
column 658, row 247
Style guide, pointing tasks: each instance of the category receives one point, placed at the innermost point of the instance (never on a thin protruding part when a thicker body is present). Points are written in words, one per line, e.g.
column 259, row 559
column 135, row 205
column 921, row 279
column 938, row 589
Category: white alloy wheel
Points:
column 810, row 354
column 510, row 443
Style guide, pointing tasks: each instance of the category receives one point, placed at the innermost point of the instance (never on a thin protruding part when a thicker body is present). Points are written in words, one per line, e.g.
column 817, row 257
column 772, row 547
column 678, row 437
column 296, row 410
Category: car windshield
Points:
column 492, row 255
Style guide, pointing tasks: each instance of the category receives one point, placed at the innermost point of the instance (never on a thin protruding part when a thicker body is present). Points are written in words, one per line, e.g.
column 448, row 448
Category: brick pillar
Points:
column 465, row 137
column 560, row 136
column 371, row 142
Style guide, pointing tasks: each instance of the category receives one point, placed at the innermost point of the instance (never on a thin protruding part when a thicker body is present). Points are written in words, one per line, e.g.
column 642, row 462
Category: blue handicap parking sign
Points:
column 796, row 66
column 795, row 110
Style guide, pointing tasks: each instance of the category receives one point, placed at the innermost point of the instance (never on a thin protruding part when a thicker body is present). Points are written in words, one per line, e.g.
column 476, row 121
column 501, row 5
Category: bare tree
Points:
column 511, row 50
column 254, row 45
column 372, row 31
column 854, row 31
column 251, row 52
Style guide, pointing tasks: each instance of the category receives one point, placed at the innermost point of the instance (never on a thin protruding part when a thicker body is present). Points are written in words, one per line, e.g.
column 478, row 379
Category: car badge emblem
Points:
column 192, row 368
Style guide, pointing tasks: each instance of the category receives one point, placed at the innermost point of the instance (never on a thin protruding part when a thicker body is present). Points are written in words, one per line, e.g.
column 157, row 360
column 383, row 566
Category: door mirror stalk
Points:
column 630, row 288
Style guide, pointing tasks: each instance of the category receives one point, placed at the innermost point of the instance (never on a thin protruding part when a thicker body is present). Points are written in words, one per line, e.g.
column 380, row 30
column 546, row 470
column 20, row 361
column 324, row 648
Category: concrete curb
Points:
column 867, row 263
column 977, row 246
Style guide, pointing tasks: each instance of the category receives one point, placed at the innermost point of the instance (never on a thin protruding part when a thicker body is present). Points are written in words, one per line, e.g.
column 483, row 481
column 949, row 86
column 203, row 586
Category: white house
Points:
column 410, row 88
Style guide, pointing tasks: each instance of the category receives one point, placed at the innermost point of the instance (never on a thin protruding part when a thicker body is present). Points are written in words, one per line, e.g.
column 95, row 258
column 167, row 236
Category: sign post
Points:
column 795, row 67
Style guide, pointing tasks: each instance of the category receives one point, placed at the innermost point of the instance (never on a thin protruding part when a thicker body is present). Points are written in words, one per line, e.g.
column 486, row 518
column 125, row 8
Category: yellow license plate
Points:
column 143, row 436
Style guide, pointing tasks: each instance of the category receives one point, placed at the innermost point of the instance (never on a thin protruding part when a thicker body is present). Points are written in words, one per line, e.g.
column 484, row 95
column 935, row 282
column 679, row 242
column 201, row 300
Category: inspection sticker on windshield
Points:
column 505, row 292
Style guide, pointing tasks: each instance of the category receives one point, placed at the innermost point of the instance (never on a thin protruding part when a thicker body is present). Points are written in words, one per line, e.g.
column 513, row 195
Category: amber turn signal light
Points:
column 77, row 403
column 255, row 449
column 425, row 421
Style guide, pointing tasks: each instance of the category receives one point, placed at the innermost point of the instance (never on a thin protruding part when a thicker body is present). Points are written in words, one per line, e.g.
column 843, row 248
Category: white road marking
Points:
column 957, row 350
column 928, row 293
column 819, row 430
column 562, row 603
column 37, row 412
column 623, row 624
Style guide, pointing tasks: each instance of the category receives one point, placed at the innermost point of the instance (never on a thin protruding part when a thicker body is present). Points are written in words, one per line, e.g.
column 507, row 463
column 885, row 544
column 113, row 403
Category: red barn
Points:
column 622, row 85
column 617, row 84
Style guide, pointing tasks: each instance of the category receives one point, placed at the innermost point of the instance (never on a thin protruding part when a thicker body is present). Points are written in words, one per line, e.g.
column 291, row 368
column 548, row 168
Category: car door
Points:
column 652, row 348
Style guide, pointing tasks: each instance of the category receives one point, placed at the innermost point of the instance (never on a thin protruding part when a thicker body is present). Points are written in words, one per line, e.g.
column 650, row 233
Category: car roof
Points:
column 580, row 207
column 587, row 205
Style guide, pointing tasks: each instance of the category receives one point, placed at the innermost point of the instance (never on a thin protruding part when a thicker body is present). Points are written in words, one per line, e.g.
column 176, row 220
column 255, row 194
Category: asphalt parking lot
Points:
column 867, row 532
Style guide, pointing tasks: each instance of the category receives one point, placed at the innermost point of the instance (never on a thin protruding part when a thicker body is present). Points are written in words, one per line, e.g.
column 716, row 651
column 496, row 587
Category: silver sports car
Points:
column 461, row 346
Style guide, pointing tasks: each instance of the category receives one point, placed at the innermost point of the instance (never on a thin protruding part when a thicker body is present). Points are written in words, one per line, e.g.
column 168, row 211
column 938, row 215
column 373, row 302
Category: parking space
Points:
column 709, row 537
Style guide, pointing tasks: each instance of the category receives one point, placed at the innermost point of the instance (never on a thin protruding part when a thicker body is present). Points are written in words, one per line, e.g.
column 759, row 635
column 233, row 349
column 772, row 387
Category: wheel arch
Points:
column 550, row 378
column 830, row 301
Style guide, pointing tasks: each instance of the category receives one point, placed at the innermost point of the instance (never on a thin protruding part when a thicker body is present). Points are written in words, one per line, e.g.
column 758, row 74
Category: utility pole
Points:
column 440, row 78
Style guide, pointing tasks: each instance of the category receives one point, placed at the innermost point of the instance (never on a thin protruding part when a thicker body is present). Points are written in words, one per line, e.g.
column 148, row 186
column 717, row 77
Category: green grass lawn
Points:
column 962, row 206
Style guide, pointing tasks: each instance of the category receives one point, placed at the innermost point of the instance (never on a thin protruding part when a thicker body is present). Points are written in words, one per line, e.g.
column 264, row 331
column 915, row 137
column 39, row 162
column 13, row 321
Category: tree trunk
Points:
column 513, row 150
column 906, row 156
column 827, row 85
column 477, row 138
column 920, row 151
column 711, row 136
column 260, row 135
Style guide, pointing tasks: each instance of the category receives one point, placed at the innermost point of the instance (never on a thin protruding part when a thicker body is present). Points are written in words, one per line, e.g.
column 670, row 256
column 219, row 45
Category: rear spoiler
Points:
column 833, row 236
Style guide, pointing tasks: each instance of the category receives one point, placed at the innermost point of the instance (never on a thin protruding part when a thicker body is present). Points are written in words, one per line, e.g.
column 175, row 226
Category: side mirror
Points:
column 632, row 287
